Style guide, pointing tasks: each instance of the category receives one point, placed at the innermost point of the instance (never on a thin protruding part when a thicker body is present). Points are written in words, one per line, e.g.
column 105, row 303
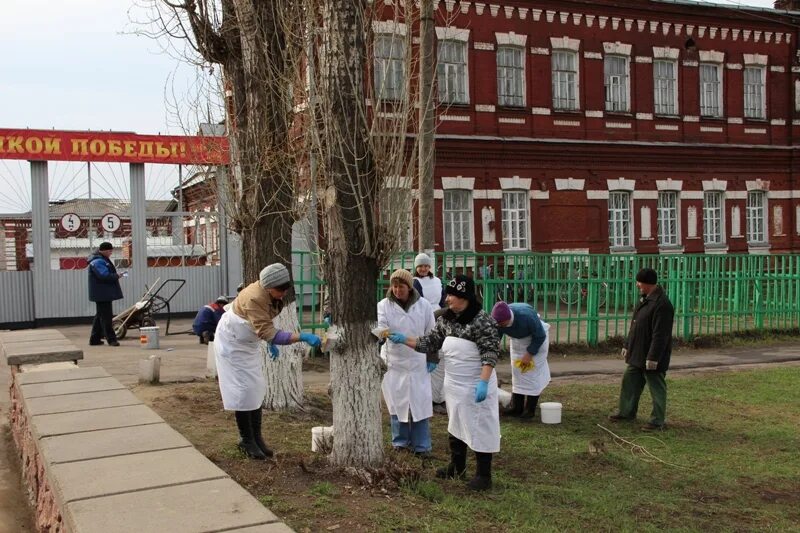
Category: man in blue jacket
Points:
column 103, row 289
column 205, row 323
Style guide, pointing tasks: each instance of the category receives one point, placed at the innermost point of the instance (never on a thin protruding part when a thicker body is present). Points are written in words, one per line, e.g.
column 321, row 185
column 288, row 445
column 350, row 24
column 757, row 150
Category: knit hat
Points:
column 273, row 275
column 105, row 246
column 501, row 312
column 647, row 276
column 402, row 275
column 461, row 286
column 222, row 300
column 422, row 259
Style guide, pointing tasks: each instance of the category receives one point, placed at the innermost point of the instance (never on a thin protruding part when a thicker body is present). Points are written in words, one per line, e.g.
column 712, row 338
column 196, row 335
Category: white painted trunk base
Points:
column 284, row 376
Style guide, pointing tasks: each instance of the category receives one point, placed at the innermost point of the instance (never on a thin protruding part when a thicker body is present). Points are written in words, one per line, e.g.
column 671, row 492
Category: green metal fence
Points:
column 589, row 298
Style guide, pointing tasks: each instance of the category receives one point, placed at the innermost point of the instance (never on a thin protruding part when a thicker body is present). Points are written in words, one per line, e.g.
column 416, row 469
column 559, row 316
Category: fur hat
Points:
column 461, row 286
column 422, row 259
column 402, row 275
column 105, row 246
column 501, row 312
column 647, row 276
column 273, row 275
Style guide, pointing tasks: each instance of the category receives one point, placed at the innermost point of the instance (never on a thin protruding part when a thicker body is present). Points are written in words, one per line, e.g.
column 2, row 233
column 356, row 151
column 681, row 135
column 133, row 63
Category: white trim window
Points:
column 665, row 86
column 565, row 79
column 515, row 220
column 754, row 102
column 710, row 90
column 452, row 72
column 619, row 219
column 389, row 72
column 396, row 214
column 668, row 234
column 713, row 222
column 457, row 223
column 617, row 83
column 511, row 76
column 756, row 217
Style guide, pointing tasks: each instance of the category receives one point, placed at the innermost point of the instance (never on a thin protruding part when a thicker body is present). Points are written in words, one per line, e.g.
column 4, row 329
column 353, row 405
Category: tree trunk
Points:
column 284, row 376
column 351, row 264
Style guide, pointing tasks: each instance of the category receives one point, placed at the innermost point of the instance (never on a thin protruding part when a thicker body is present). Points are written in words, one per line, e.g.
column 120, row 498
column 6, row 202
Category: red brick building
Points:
column 622, row 126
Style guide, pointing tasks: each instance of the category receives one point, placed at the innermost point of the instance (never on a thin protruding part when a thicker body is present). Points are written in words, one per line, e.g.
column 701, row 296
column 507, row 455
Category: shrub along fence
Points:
column 588, row 298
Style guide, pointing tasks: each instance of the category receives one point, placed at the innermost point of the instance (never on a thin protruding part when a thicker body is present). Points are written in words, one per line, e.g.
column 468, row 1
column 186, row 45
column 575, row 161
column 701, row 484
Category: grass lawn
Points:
column 728, row 462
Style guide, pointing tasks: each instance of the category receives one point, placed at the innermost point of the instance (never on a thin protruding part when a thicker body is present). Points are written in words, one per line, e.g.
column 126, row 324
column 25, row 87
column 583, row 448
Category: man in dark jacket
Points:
column 103, row 289
column 647, row 352
column 205, row 323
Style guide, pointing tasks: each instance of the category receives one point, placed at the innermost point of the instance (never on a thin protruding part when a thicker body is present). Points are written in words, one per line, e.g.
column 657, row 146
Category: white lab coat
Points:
column 239, row 364
column 533, row 382
column 477, row 424
column 432, row 291
column 406, row 385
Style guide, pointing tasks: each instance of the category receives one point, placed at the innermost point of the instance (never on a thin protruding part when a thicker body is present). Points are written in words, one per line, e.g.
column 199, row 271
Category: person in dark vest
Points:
column 103, row 290
column 647, row 352
column 205, row 323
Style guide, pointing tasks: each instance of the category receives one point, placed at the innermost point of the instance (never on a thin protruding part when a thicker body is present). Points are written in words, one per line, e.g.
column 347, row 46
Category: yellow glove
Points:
column 523, row 366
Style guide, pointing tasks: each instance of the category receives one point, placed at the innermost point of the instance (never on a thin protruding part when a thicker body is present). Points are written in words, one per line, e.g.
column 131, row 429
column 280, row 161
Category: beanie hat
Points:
column 647, row 276
column 221, row 300
column 402, row 275
column 105, row 246
column 501, row 312
column 273, row 275
column 461, row 286
column 422, row 259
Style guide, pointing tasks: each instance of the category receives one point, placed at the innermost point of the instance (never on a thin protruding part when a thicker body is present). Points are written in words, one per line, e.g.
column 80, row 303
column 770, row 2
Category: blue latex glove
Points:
column 480, row 390
column 432, row 367
column 327, row 320
column 310, row 339
column 397, row 338
column 273, row 351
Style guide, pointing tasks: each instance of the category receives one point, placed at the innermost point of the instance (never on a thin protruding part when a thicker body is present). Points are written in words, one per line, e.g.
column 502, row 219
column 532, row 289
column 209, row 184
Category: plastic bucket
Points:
column 551, row 412
column 321, row 438
column 148, row 338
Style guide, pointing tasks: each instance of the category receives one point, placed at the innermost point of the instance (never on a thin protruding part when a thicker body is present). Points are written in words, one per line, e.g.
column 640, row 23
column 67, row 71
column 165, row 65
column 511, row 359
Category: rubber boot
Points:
column 530, row 408
column 458, row 460
column 517, row 403
column 483, row 472
column 247, row 443
column 255, row 423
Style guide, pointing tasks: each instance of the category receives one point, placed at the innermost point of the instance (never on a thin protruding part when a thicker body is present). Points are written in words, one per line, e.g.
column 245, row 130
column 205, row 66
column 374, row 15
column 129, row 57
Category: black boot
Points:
column 530, row 408
column 247, row 443
column 517, row 403
column 255, row 422
column 458, row 460
column 483, row 472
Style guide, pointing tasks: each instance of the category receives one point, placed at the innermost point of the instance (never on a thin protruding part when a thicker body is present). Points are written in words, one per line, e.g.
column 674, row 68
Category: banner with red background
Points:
column 101, row 146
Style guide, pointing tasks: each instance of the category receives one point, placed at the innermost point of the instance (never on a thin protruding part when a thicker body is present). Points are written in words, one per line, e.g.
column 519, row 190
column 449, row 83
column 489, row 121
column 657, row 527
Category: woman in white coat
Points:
column 430, row 288
column 238, row 355
column 468, row 340
column 530, row 342
column 407, row 385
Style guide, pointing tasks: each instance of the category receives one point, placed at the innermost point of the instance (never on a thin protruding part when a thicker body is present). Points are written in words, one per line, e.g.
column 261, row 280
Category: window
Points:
column 565, row 79
column 756, row 217
column 754, row 92
column 710, row 90
column 712, row 217
column 389, row 68
column 668, row 218
column 619, row 219
column 510, row 76
column 665, row 94
column 396, row 215
column 452, row 72
column 616, row 82
column 457, row 215
column 515, row 220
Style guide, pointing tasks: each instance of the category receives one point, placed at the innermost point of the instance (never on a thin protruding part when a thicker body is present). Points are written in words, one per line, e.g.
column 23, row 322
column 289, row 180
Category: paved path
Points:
column 184, row 359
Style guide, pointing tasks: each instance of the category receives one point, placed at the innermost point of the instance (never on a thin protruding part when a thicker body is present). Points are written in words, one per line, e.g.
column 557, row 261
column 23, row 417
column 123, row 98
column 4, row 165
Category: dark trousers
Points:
column 101, row 327
column 633, row 382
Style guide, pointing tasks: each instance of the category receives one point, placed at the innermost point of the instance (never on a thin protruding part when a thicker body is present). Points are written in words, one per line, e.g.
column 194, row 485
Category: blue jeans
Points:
column 415, row 436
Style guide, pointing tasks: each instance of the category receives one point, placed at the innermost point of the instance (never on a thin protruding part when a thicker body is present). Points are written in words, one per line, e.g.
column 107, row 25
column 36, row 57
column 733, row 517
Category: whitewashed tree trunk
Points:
column 284, row 376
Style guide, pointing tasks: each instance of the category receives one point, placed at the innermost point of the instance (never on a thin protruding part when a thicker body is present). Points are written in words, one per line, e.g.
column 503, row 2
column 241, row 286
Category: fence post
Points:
column 758, row 305
column 592, row 315
column 688, row 314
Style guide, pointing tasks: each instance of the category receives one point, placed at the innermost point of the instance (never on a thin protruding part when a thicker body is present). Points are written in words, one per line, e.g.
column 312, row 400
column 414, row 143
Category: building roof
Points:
column 731, row 6
column 97, row 207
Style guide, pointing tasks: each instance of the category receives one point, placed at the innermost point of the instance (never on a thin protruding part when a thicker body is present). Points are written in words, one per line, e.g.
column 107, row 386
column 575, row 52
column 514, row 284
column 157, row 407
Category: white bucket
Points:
column 148, row 338
column 321, row 438
column 551, row 412
column 211, row 362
